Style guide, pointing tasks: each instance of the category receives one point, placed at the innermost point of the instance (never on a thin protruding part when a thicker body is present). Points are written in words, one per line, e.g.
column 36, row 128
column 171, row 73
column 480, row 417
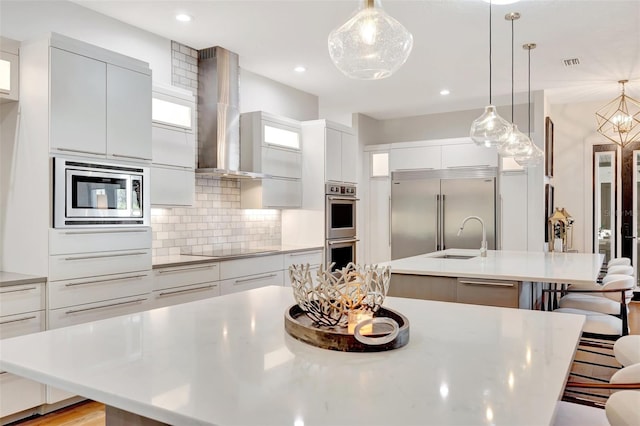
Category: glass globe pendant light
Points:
column 371, row 45
column 490, row 129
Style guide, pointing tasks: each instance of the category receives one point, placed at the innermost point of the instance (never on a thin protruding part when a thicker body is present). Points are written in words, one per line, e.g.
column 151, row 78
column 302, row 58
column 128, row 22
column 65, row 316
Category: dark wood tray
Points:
column 301, row 327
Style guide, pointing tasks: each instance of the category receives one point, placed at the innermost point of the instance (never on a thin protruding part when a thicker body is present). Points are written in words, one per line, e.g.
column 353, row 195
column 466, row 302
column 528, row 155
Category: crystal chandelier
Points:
column 618, row 120
column 490, row 129
column 371, row 45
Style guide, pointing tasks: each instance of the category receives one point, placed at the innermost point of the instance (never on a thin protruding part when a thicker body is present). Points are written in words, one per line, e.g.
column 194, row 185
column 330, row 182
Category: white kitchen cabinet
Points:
column 270, row 193
column 78, row 103
column 9, row 70
column 340, row 155
column 172, row 186
column 173, row 147
column 99, row 102
column 270, row 145
column 21, row 312
column 313, row 258
column 128, row 114
column 468, row 154
column 69, row 266
column 88, row 240
column 246, row 274
column 186, row 283
column 413, row 156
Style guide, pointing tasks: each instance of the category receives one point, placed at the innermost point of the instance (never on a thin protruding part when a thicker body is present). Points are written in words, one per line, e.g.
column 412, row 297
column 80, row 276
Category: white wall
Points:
column 575, row 135
column 258, row 93
column 27, row 20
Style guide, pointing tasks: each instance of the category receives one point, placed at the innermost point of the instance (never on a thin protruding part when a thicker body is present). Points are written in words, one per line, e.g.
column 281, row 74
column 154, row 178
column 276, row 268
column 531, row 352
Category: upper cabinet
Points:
column 99, row 102
column 340, row 154
column 438, row 154
column 173, row 147
column 465, row 153
column 271, row 145
column 9, row 70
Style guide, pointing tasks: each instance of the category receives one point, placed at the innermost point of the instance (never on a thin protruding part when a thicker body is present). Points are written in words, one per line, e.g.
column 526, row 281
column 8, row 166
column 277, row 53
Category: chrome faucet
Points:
column 483, row 247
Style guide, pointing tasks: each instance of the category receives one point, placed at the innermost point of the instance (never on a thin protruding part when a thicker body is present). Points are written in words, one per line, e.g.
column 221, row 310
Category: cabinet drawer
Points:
column 95, row 240
column 184, row 294
column 21, row 324
column 65, row 267
column 282, row 162
column 18, row 299
column 487, row 292
column 313, row 258
column 95, row 289
column 173, row 147
column 18, row 394
column 179, row 276
column 64, row 317
column 251, row 266
column 235, row 285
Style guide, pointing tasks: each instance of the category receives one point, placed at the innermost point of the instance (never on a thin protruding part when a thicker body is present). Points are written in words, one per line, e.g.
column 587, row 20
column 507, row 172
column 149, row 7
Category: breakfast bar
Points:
column 229, row 360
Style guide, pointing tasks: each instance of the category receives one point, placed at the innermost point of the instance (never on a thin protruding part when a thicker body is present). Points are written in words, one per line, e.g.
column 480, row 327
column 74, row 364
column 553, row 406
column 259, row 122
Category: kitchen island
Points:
column 503, row 278
column 228, row 360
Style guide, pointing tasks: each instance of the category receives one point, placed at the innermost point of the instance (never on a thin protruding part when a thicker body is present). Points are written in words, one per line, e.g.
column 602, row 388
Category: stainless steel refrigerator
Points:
column 428, row 207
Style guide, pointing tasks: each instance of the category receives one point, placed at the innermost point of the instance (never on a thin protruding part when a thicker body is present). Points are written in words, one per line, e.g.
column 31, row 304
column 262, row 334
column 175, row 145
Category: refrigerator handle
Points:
column 437, row 222
column 442, row 223
column 389, row 221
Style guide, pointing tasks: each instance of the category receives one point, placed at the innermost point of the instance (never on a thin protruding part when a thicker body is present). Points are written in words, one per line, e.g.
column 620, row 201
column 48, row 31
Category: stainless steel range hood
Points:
column 219, row 114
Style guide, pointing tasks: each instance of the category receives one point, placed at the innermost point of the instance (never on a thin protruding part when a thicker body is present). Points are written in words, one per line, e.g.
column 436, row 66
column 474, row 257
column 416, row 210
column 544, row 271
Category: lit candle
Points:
column 356, row 317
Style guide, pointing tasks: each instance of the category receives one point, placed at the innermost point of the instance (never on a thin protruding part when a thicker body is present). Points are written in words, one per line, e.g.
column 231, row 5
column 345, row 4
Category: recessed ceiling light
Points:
column 299, row 68
column 444, row 92
column 183, row 17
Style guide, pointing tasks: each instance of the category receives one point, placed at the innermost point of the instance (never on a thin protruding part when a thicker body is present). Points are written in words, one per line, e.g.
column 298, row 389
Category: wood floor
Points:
column 91, row 413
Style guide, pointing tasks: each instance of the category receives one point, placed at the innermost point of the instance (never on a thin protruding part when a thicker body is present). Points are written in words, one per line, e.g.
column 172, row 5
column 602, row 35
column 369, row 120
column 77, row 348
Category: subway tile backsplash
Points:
column 216, row 220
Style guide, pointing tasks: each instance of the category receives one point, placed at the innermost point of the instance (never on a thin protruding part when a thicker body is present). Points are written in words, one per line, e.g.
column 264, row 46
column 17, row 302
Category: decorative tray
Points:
column 382, row 337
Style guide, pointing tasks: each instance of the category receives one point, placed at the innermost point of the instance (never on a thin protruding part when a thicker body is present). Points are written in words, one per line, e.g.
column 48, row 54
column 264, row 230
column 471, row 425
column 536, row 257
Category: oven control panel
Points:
column 340, row 189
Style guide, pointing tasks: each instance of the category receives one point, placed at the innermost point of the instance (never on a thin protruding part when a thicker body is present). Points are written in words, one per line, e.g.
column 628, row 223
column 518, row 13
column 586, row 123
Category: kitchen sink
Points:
column 453, row 256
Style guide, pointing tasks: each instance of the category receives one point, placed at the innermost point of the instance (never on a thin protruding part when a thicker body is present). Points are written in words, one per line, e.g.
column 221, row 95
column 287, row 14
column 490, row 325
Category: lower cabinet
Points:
column 475, row 291
column 181, row 284
column 246, row 274
column 313, row 258
column 22, row 311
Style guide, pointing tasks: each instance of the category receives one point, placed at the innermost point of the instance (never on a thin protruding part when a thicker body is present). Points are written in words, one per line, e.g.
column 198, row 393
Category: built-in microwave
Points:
column 89, row 193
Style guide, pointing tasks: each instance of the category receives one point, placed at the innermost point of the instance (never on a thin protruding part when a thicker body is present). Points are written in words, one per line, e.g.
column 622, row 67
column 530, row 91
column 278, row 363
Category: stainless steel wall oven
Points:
column 340, row 229
column 88, row 193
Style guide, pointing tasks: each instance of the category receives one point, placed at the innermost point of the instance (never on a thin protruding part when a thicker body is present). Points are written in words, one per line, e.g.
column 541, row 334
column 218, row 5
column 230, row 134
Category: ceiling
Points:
column 450, row 47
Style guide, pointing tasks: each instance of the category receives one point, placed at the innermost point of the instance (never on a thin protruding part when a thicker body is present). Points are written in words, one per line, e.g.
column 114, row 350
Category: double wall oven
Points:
column 89, row 193
column 340, row 218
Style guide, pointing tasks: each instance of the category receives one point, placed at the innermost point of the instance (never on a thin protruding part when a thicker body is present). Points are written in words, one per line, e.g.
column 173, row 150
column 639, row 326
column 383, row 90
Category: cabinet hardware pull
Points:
column 75, row 311
column 173, row 271
column 304, row 253
column 16, row 291
column 204, row 287
column 130, row 156
column 331, row 197
column 467, row 167
column 173, row 165
column 488, row 283
column 121, row 231
column 136, row 253
column 104, row 281
column 244, row 280
column 81, row 150
column 18, row 320
column 352, row 240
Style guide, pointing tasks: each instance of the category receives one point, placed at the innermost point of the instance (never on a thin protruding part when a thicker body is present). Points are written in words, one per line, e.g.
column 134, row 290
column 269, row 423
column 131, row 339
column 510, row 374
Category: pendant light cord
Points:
column 512, row 72
column 529, row 98
column 490, row 52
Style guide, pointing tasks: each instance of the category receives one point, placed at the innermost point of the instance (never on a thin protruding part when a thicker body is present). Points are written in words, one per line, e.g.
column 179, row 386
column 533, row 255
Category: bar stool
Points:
column 627, row 350
column 625, row 261
column 620, row 269
column 597, row 302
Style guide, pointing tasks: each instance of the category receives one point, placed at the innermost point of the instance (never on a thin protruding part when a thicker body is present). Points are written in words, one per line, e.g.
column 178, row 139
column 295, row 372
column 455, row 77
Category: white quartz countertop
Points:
column 12, row 278
column 228, row 360
column 554, row 267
